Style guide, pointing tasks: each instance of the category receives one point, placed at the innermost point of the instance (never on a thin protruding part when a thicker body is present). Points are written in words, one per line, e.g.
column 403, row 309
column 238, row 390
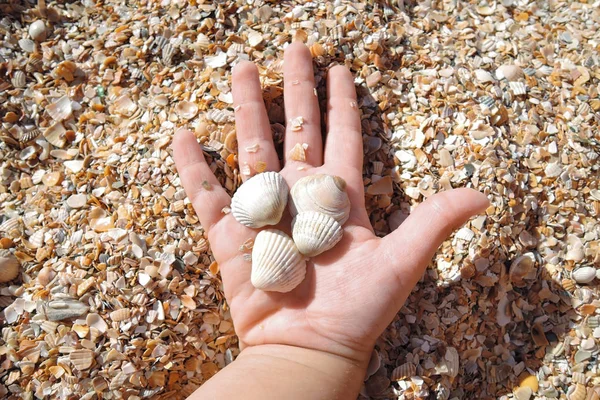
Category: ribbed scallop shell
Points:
column 9, row 266
column 277, row 265
column 325, row 194
column 261, row 200
column 315, row 233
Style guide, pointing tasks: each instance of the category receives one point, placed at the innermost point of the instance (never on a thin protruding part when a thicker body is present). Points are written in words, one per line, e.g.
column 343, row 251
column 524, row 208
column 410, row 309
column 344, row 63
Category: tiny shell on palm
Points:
column 60, row 110
column 277, row 265
column 121, row 314
column 9, row 266
column 261, row 200
column 321, row 193
column 297, row 153
column 186, row 109
column 81, row 359
column 315, row 233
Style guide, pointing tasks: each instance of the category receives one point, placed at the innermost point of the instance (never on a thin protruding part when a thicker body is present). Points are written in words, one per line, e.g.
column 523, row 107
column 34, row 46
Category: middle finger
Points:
column 303, row 130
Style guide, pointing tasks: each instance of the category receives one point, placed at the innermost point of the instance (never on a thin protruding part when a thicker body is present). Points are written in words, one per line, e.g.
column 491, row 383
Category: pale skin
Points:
column 315, row 341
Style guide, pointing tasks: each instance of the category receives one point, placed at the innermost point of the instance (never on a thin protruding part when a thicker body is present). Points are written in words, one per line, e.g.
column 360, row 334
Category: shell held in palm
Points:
column 277, row 265
column 321, row 193
column 315, row 233
column 261, row 200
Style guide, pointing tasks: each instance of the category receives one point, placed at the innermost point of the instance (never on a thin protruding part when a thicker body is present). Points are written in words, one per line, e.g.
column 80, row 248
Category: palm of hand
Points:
column 350, row 292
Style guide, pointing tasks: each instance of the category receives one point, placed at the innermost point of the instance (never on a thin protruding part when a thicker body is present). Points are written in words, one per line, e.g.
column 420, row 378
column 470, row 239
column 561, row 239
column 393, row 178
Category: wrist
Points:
column 282, row 371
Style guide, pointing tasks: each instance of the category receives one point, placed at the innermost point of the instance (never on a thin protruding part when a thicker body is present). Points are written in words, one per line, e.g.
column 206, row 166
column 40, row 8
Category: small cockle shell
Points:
column 37, row 31
column 18, row 79
column 577, row 392
column 325, row 194
column 277, row 265
column 261, row 200
column 315, row 233
column 9, row 266
column 584, row 274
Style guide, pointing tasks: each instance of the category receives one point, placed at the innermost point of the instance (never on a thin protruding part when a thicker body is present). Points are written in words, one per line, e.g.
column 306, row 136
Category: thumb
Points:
column 411, row 246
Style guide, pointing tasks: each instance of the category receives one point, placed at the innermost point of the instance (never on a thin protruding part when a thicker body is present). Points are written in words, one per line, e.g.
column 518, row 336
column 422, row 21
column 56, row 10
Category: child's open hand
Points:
column 351, row 292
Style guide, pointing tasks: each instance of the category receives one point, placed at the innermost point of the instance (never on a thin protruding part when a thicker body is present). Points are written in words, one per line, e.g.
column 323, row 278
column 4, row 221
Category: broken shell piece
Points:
column 96, row 321
column 81, row 359
column 60, row 110
column 315, row 233
column 120, row 315
column 510, row 72
column 523, row 393
column 58, row 310
column 403, row 371
column 296, row 123
column 297, row 153
column 277, row 265
column 56, row 135
column 577, row 392
column 261, row 200
column 186, row 109
column 9, row 266
column 325, row 194
column 522, row 267
column 584, row 274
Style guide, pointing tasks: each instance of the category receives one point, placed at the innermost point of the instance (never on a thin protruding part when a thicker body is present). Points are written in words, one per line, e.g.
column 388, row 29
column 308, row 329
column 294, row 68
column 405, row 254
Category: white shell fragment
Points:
column 584, row 274
column 315, row 233
column 321, row 193
column 37, row 31
column 277, row 265
column 261, row 200
column 60, row 110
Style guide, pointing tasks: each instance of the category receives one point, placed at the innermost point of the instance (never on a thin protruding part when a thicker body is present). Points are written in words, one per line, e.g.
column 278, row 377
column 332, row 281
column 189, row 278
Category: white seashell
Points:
column 325, row 194
column 510, row 72
column 217, row 61
column 277, row 265
column 261, row 200
column 96, row 321
column 61, row 109
column 55, row 134
column 18, row 79
column 483, row 76
column 37, row 239
column 186, row 109
column 9, row 266
column 523, row 393
column 315, row 233
column 518, row 88
column 465, row 234
column 584, row 274
column 121, row 314
column 37, row 31
column 403, row 371
column 553, row 170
